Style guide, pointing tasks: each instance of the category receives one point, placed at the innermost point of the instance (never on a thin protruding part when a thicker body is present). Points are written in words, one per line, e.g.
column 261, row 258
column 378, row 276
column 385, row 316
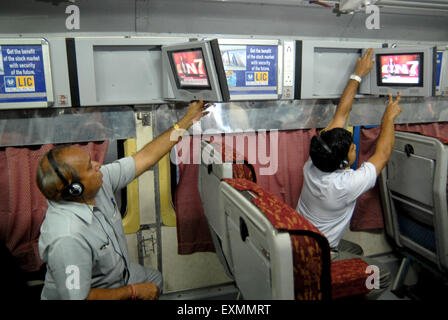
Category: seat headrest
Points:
column 441, row 139
column 241, row 168
column 282, row 216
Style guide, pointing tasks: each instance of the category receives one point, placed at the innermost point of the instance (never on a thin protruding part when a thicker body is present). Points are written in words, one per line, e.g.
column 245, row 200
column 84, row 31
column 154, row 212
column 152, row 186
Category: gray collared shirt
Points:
column 84, row 246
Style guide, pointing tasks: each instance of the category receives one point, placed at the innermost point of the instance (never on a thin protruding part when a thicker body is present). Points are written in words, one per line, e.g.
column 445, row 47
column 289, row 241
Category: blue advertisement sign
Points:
column 22, row 74
column 250, row 69
column 438, row 67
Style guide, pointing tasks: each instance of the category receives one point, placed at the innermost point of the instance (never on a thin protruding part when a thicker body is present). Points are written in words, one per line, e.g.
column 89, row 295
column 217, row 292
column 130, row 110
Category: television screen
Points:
column 400, row 69
column 190, row 69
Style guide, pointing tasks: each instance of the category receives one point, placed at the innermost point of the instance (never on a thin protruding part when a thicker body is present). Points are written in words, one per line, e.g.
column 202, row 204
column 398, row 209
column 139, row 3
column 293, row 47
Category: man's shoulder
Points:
column 359, row 180
column 308, row 166
column 53, row 227
column 118, row 167
column 61, row 221
column 367, row 165
column 118, row 174
column 117, row 164
column 364, row 171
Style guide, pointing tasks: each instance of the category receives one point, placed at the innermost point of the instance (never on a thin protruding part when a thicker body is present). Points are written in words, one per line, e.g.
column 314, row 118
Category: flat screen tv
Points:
column 409, row 70
column 191, row 72
column 196, row 71
column 400, row 69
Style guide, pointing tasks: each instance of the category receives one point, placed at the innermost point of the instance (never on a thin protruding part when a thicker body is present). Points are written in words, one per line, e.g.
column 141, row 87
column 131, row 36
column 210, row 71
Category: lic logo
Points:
column 10, row 82
column 250, row 76
column 257, row 78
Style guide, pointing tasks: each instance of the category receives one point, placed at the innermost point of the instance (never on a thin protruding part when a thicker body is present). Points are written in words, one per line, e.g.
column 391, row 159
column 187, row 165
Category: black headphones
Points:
column 343, row 164
column 73, row 189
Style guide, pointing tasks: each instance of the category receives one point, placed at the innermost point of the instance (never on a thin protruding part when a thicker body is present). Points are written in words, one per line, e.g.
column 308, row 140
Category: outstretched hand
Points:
column 196, row 111
column 393, row 108
column 365, row 64
column 345, row 104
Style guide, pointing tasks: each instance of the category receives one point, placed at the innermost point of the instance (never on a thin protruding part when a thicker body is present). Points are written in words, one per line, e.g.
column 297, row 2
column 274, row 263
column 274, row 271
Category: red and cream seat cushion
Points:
column 315, row 277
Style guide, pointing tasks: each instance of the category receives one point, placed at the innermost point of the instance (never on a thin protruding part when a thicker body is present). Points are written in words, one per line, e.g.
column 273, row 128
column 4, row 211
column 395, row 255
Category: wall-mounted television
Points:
column 409, row 70
column 404, row 69
column 230, row 70
column 191, row 72
column 195, row 71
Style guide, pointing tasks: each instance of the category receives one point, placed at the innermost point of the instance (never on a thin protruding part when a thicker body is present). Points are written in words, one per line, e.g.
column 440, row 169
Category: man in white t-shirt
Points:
column 330, row 189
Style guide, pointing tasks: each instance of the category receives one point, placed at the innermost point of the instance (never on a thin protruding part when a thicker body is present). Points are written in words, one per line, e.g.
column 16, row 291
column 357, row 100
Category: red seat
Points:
column 315, row 277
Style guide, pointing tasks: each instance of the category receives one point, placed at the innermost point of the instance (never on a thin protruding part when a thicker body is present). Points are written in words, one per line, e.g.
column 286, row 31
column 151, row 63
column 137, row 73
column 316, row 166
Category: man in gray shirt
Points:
column 82, row 240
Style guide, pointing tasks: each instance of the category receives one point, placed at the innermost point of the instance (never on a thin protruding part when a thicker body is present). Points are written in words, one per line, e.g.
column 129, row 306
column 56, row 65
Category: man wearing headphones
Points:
column 82, row 240
column 330, row 188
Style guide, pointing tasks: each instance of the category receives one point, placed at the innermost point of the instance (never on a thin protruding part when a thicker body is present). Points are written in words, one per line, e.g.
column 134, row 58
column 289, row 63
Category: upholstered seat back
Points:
column 414, row 196
column 219, row 162
column 308, row 248
column 278, row 254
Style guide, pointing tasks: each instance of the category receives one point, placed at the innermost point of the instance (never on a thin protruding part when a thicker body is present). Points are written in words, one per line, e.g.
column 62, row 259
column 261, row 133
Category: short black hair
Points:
column 339, row 141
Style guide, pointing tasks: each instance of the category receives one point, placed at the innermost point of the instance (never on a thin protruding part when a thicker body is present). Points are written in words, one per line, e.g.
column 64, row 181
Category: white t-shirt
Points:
column 328, row 198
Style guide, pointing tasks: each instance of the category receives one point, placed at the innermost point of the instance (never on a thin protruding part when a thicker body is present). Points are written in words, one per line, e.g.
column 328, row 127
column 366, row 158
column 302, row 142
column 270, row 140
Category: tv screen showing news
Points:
column 400, row 69
column 190, row 69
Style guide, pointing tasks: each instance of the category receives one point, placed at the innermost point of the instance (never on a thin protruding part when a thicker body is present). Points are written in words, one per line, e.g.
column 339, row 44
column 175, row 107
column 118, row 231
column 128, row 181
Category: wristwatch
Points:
column 355, row 77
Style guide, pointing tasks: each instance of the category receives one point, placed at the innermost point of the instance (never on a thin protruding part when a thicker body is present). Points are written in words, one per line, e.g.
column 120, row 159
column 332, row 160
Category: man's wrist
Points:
column 183, row 124
column 133, row 292
column 387, row 120
column 355, row 77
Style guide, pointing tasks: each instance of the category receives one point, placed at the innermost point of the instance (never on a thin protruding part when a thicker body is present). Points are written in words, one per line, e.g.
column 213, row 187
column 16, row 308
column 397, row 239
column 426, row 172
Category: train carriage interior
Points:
column 216, row 216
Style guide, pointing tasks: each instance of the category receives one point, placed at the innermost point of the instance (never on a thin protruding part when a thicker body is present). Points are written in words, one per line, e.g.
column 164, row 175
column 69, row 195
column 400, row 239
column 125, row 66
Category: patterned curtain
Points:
column 22, row 206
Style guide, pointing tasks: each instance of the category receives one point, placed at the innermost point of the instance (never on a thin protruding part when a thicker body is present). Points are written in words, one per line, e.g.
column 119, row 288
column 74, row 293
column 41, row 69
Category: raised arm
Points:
column 386, row 139
column 152, row 152
column 363, row 67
